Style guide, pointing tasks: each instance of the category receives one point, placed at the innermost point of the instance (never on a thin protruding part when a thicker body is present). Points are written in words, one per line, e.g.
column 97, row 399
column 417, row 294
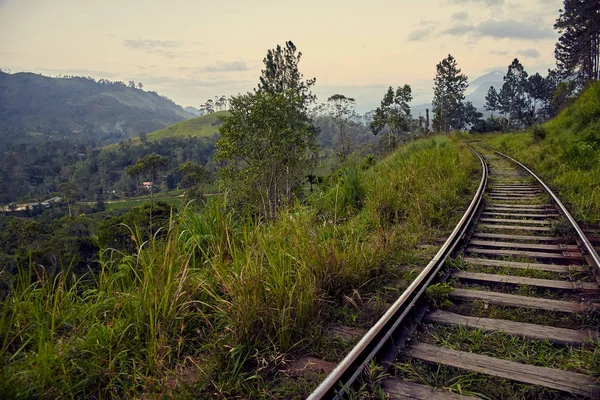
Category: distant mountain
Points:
column 34, row 107
column 475, row 93
column 479, row 87
column 193, row 110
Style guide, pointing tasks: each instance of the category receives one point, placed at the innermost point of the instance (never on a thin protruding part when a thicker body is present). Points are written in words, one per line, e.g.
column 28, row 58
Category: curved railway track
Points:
column 517, row 265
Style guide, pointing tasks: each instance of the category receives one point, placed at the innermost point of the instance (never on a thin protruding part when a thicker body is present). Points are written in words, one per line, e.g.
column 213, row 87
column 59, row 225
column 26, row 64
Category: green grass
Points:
column 204, row 126
column 567, row 157
column 138, row 201
column 228, row 299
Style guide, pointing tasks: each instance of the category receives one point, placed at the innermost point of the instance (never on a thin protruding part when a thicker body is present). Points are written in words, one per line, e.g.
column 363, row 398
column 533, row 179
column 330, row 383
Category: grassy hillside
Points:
column 204, row 126
column 216, row 305
column 565, row 152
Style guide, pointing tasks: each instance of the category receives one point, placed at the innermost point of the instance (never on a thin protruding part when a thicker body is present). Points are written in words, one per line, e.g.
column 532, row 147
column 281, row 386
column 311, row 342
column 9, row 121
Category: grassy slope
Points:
column 568, row 158
column 204, row 126
column 220, row 302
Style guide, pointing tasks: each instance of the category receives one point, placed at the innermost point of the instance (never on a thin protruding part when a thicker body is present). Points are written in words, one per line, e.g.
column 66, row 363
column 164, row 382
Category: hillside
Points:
column 204, row 126
column 565, row 152
column 33, row 106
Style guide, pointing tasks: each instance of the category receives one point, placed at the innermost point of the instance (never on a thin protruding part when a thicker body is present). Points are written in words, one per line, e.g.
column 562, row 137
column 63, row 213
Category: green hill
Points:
column 34, row 108
column 565, row 152
column 204, row 126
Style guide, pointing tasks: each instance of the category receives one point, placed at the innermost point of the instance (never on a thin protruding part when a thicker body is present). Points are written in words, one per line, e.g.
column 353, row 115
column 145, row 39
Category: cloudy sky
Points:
column 193, row 50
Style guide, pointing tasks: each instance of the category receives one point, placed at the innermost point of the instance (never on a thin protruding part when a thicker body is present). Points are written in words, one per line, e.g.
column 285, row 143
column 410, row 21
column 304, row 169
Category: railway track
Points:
column 508, row 308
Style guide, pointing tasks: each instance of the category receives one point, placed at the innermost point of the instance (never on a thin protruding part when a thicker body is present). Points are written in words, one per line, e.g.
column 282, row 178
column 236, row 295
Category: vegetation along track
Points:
column 508, row 308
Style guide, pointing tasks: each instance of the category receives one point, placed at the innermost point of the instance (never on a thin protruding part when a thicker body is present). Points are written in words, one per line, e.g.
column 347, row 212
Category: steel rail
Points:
column 352, row 366
column 582, row 237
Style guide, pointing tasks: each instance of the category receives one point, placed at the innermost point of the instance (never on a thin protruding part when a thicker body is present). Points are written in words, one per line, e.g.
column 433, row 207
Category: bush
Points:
column 538, row 132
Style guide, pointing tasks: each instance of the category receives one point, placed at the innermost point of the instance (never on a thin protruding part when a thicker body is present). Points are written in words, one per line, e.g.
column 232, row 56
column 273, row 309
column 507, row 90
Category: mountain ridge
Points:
column 33, row 105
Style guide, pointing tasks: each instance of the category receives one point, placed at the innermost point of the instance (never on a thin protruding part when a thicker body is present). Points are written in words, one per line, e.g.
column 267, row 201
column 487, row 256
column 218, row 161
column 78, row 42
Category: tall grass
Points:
column 227, row 294
column 568, row 156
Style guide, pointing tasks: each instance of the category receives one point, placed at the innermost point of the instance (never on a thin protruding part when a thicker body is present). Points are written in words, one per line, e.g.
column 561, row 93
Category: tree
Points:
column 69, row 192
column 513, row 97
column 578, row 48
column 140, row 85
column 209, row 106
column 223, row 101
column 491, row 100
column 192, row 177
column 131, row 84
column 540, row 91
column 281, row 75
column 448, row 95
column 149, row 168
column 265, row 147
column 393, row 113
column 469, row 114
column 340, row 109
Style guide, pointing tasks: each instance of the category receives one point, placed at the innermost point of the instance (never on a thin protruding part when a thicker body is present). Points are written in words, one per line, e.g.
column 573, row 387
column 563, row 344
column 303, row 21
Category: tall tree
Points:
column 281, row 74
column 393, row 113
column 267, row 140
column 514, row 100
column 209, row 106
column 491, row 100
column 578, row 47
column 265, row 146
column 340, row 109
column 69, row 192
column 149, row 167
column 448, row 95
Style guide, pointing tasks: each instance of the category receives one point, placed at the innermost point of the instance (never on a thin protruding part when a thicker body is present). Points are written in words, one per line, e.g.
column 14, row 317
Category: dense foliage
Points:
column 566, row 152
column 215, row 302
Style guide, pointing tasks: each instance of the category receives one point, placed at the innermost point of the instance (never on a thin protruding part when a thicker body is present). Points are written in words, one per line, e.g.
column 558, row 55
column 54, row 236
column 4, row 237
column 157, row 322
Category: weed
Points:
column 439, row 295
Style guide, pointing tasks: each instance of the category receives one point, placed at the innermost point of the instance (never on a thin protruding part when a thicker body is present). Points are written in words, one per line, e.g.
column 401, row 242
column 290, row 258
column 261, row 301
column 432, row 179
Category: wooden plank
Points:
column 536, row 206
column 507, row 214
column 513, row 300
column 566, row 381
column 517, row 227
column 521, row 280
column 530, row 246
column 499, row 186
column 502, row 189
column 525, row 199
column 530, row 331
column 348, row 333
column 517, row 237
column 397, row 389
column 566, row 256
column 519, row 210
column 565, row 269
column 507, row 194
column 515, row 221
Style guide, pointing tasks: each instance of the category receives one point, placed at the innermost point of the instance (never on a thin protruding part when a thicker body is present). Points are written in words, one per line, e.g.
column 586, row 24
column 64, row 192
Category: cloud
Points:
column 502, row 29
column 421, row 33
column 499, row 52
column 460, row 16
column 460, row 30
column 160, row 47
column 483, row 2
column 529, row 53
column 227, row 66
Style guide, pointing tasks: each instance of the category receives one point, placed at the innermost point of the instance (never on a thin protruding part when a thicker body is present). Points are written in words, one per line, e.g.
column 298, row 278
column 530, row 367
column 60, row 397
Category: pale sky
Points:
column 193, row 50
